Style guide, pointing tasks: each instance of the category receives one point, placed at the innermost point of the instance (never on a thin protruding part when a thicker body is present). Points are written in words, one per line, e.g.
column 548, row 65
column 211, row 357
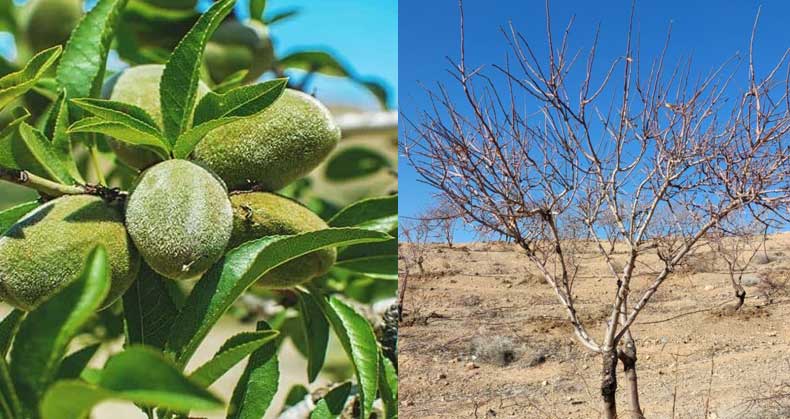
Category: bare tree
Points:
column 737, row 240
column 412, row 248
column 657, row 153
column 441, row 218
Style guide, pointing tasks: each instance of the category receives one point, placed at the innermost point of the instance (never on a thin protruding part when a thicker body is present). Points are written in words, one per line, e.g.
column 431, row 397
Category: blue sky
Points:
column 706, row 30
column 363, row 33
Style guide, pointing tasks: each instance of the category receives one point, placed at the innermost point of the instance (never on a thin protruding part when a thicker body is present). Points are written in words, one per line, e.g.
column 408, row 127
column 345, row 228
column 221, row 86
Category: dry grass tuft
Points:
column 497, row 350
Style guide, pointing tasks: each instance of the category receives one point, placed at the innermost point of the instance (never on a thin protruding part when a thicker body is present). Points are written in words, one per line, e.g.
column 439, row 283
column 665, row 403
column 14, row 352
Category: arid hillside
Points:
column 483, row 336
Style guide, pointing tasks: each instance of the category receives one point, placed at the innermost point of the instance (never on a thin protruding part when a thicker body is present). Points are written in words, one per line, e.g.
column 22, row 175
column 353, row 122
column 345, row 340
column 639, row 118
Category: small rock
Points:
column 750, row 280
column 441, row 376
column 709, row 287
column 544, row 383
column 536, row 359
column 771, row 334
column 471, row 366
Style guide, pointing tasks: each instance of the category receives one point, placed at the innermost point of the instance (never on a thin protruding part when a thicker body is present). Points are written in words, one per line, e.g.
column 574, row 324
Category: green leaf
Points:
column 124, row 121
column 126, row 113
column 14, row 153
column 355, row 162
column 240, row 268
column 8, row 328
column 378, row 90
column 75, row 363
column 72, row 399
column 9, row 216
column 48, row 88
column 258, row 383
column 231, row 353
column 216, row 110
column 331, row 405
column 187, row 141
column 139, row 375
column 175, row 10
column 155, row 380
column 20, row 115
column 121, row 132
column 148, row 310
column 291, row 327
column 315, row 61
column 231, row 82
column 380, row 214
column 281, row 16
column 359, row 341
column 381, row 267
column 56, row 129
column 388, row 384
column 257, row 7
column 45, row 333
column 9, row 402
column 81, row 70
column 8, row 21
column 375, row 260
column 242, row 101
column 361, row 346
column 16, row 84
column 316, row 333
column 296, row 394
column 43, row 151
column 178, row 87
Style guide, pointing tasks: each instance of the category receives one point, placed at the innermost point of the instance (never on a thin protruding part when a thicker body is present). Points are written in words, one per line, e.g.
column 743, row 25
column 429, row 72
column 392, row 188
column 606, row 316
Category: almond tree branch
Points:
column 54, row 189
column 45, row 186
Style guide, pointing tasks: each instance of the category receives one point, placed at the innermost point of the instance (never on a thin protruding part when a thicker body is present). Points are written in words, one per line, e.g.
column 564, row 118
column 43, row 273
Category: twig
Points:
column 710, row 382
column 54, row 189
column 684, row 314
column 45, row 186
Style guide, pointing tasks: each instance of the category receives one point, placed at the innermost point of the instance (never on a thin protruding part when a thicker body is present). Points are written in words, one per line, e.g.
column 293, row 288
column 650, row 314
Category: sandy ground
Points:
column 484, row 337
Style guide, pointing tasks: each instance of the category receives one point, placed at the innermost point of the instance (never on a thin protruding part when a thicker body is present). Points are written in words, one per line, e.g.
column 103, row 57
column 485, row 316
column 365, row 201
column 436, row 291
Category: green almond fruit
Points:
column 274, row 148
column 47, row 249
column 261, row 214
column 139, row 86
column 47, row 23
column 179, row 217
column 237, row 46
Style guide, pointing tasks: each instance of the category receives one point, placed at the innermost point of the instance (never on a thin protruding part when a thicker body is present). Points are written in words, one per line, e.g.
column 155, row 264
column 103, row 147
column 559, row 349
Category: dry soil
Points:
column 484, row 336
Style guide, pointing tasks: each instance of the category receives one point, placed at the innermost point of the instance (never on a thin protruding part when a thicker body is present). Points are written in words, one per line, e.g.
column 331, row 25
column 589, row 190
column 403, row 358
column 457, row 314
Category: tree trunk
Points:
column 628, row 358
column 403, row 282
column 740, row 294
column 609, row 384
